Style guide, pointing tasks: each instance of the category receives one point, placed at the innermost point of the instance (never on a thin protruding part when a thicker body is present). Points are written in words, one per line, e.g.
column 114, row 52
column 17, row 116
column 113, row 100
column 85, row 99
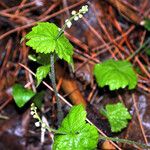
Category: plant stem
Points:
column 125, row 141
column 53, row 80
column 64, row 26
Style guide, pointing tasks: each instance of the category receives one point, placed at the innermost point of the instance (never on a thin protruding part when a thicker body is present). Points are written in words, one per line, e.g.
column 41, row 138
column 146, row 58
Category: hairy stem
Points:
column 53, row 80
column 125, row 141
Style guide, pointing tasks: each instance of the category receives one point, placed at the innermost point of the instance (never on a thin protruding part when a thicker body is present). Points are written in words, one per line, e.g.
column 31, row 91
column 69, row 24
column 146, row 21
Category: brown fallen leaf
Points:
column 70, row 87
column 108, row 146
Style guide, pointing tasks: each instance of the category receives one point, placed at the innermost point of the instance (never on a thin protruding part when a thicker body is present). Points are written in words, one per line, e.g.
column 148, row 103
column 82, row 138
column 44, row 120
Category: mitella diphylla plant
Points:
column 76, row 16
column 74, row 132
column 48, row 39
column 39, row 122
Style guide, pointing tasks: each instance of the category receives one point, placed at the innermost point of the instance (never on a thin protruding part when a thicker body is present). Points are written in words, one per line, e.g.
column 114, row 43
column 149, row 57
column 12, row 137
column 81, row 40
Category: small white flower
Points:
column 43, row 125
column 37, row 124
column 32, row 113
column 32, row 105
column 69, row 24
column 43, row 129
column 84, row 9
column 76, row 18
column 34, row 116
column 59, row 29
column 32, row 108
column 73, row 12
column 80, row 10
column 80, row 15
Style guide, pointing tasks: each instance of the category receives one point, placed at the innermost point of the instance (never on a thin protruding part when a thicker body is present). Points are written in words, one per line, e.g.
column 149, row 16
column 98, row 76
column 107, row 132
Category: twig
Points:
column 139, row 119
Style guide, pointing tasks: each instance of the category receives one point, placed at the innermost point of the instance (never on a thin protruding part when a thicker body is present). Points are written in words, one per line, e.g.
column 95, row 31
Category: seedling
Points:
column 47, row 38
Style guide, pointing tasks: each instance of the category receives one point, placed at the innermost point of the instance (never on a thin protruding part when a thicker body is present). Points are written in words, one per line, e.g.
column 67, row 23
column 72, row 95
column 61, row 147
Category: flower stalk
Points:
column 68, row 23
column 75, row 16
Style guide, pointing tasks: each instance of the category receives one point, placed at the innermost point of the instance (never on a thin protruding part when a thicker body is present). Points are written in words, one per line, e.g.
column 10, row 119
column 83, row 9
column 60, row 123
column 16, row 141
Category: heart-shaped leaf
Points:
column 78, row 135
column 43, row 39
column 21, row 95
column 115, row 74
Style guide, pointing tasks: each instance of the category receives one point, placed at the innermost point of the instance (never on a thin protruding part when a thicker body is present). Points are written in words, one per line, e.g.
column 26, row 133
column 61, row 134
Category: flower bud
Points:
column 68, row 23
column 32, row 113
column 37, row 124
column 80, row 15
column 76, row 18
column 73, row 12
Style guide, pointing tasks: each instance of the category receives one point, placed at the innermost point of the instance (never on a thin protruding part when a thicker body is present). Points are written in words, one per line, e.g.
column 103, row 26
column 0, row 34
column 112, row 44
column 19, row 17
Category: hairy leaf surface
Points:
column 115, row 74
column 43, row 39
column 118, row 116
column 78, row 135
column 21, row 95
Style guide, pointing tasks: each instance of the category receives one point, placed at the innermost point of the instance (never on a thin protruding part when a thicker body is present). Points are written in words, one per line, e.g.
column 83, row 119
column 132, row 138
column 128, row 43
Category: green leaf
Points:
column 147, row 24
column 74, row 120
column 64, row 49
column 43, row 59
column 115, row 74
column 118, row 116
column 78, row 135
column 41, row 73
column 21, row 95
column 32, row 57
column 42, row 38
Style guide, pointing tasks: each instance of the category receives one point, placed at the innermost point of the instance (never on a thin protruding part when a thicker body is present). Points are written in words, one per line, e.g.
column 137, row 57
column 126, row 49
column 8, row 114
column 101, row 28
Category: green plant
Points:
column 21, row 95
column 49, row 42
column 74, row 133
column 47, row 38
column 115, row 74
column 117, row 115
